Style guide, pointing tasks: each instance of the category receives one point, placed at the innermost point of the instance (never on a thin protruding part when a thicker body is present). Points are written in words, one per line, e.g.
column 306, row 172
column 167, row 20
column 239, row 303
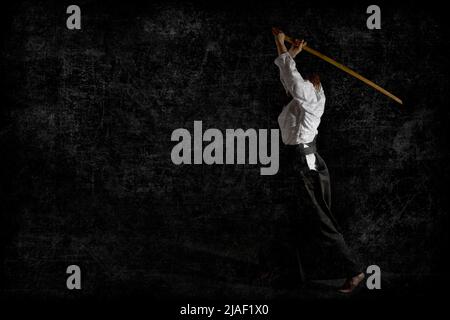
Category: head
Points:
column 314, row 79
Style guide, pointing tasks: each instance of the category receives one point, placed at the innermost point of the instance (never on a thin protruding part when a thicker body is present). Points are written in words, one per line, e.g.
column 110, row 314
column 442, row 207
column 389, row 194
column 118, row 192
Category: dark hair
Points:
column 314, row 79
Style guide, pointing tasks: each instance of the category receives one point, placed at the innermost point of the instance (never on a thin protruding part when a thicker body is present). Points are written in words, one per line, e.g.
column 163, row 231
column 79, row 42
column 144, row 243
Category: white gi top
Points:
column 300, row 118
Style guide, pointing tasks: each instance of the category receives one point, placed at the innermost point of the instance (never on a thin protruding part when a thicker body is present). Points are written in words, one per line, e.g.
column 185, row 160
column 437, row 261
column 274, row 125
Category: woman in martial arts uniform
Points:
column 316, row 234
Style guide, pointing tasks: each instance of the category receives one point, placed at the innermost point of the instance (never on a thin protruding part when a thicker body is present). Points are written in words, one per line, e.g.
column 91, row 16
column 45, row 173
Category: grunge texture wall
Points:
column 86, row 120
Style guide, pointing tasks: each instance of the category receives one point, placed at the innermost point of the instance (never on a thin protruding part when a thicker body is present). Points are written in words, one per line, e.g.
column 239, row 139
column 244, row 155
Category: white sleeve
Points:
column 292, row 80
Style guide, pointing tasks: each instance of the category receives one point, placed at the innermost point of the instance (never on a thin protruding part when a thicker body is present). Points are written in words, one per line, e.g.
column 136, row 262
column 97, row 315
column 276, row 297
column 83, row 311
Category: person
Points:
column 319, row 234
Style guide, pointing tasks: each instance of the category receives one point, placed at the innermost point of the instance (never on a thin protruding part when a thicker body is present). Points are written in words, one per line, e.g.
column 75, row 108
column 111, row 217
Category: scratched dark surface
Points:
column 86, row 120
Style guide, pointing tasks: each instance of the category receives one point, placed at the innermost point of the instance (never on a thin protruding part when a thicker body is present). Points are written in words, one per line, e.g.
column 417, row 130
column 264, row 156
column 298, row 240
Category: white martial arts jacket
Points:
column 300, row 118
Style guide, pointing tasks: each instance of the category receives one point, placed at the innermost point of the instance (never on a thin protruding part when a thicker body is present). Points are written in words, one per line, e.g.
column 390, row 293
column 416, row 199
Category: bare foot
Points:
column 351, row 283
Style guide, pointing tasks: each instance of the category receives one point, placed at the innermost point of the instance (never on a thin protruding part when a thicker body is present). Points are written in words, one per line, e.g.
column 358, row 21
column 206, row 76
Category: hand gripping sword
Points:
column 348, row 70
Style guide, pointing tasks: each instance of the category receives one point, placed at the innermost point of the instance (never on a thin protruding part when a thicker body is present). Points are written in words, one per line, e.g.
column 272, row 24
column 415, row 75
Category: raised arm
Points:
column 292, row 80
column 279, row 40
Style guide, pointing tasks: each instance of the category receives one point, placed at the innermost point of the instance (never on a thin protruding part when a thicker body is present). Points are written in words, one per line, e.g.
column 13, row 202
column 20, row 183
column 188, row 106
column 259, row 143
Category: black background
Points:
column 86, row 120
